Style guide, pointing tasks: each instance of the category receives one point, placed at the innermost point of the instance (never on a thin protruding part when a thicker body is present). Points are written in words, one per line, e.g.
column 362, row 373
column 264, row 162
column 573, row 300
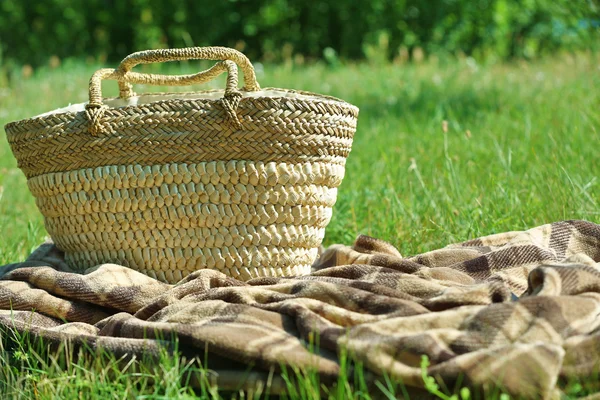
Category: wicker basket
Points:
column 242, row 180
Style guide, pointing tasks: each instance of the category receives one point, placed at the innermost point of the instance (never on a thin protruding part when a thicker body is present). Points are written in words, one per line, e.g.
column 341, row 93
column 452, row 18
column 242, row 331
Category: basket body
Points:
column 170, row 187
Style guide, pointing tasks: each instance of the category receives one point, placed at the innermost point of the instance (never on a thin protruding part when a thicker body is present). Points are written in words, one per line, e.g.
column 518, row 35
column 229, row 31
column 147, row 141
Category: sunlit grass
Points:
column 520, row 150
column 30, row 369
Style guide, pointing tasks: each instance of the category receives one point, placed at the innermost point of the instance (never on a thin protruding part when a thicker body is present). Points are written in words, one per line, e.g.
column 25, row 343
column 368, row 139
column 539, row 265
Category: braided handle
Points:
column 95, row 87
column 95, row 108
column 189, row 53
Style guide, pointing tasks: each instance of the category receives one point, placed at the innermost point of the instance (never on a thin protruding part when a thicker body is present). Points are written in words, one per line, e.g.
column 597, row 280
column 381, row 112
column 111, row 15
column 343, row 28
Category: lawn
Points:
column 445, row 151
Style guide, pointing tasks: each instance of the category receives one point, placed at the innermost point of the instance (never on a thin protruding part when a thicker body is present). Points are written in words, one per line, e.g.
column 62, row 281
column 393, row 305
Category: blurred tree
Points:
column 32, row 31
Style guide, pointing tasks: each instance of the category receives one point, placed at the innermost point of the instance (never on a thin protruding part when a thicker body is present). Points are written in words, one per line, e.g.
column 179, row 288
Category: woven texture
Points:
column 516, row 309
column 243, row 184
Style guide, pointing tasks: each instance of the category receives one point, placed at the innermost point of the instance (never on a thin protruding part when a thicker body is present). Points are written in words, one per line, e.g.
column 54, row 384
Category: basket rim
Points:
column 318, row 98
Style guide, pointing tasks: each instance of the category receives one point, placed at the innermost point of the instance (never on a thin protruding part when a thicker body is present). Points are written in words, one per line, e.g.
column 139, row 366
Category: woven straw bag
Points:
column 242, row 180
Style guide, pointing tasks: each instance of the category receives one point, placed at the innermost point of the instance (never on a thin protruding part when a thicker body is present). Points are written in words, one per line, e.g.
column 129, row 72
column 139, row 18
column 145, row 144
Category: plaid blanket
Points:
column 518, row 309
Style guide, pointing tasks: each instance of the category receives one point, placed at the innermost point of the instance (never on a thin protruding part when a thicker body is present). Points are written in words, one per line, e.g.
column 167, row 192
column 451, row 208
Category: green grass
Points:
column 520, row 150
column 29, row 369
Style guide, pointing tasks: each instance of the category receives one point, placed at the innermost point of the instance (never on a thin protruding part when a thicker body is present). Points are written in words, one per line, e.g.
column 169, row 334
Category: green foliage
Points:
column 33, row 31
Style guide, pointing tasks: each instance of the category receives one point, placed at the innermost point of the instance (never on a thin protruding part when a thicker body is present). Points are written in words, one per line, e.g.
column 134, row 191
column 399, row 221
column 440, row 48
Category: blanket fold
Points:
column 516, row 309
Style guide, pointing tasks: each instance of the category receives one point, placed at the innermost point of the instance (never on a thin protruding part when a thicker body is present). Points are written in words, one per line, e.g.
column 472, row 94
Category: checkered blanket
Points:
column 520, row 310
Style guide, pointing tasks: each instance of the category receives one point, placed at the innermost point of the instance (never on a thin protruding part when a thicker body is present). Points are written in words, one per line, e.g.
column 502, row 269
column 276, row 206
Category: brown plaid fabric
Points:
column 519, row 309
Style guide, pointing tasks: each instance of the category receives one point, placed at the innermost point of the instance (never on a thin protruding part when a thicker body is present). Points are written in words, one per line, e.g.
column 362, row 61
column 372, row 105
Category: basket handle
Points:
column 95, row 87
column 214, row 53
column 123, row 74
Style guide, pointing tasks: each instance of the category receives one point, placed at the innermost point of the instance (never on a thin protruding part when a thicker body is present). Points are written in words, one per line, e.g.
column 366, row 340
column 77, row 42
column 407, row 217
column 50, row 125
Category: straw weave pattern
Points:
column 170, row 220
column 243, row 184
column 286, row 130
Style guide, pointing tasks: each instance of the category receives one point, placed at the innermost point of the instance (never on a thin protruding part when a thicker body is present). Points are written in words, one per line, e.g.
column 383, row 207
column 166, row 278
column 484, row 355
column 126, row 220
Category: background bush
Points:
column 32, row 31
